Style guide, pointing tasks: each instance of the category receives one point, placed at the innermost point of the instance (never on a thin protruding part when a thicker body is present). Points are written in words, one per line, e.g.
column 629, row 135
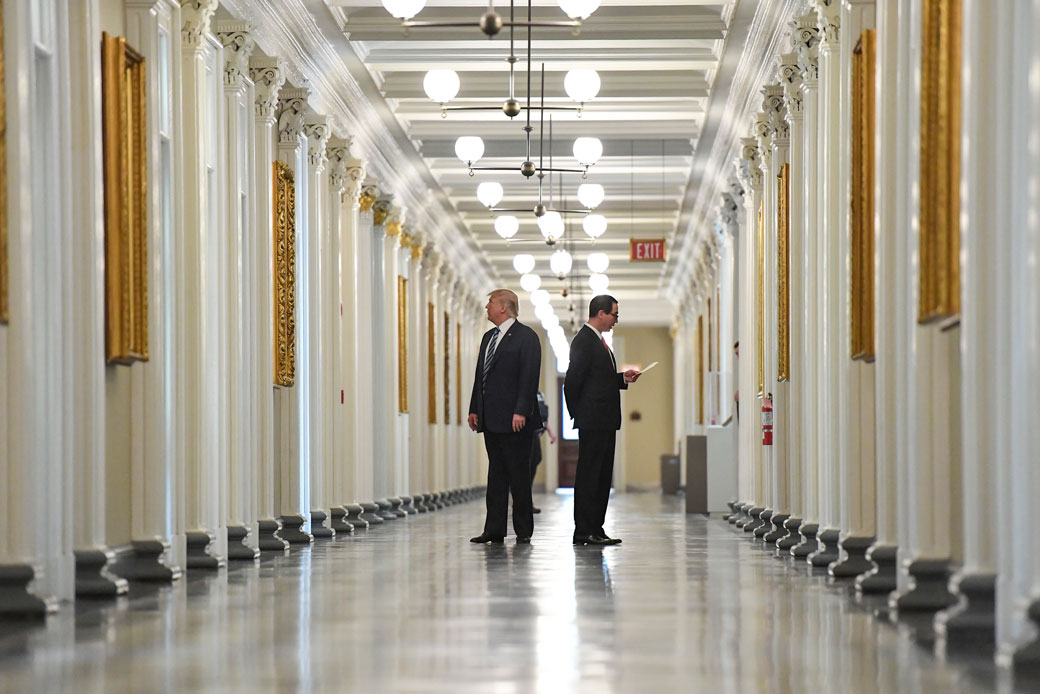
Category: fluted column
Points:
column 292, row 492
column 396, row 421
column 242, row 292
column 434, row 398
column 417, row 428
column 806, row 43
column 267, row 77
column 200, row 393
column 364, row 329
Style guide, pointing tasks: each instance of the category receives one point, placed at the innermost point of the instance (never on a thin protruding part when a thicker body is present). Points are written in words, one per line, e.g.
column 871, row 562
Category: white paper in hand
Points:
column 644, row 370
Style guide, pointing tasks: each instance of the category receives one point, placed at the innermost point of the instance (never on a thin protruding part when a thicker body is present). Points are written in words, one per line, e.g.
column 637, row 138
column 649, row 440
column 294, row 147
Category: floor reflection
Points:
column 685, row 603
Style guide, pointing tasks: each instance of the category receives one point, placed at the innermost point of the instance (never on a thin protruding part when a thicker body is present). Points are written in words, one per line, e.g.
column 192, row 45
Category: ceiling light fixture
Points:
column 594, row 225
column 560, row 263
column 491, row 22
column 506, row 226
column 598, row 282
column 590, row 195
column 530, row 282
column 523, row 262
column 490, row 193
column 441, row 86
column 404, row 9
column 598, row 262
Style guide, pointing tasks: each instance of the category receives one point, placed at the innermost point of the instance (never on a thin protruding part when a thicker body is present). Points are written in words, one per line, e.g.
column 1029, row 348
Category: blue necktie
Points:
column 490, row 353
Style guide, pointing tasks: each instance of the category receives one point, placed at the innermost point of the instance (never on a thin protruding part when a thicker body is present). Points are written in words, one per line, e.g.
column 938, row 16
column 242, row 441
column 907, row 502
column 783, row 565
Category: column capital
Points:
column 338, row 152
column 369, row 195
column 195, row 19
column 238, row 46
column 268, row 77
column 317, row 130
column 292, row 113
column 775, row 112
column 790, row 75
column 381, row 209
column 763, row 136
column 394, row 225
column 805, row 41
column 828, row 13
column 749, row 167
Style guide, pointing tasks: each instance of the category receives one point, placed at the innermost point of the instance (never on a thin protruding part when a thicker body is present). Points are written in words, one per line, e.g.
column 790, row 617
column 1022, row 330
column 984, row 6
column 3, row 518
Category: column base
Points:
column 765, row 517
column 142, row 560
column 93, row 579
column 354, row 512
column 417, row 503
column 370, row 513
column 1026, row 659
column 791, row 538
column 928, row 590
column 384, row 511
column 318, row 527
column 438, row 500
column 16, row 600
column 732, row 509
column 774, row 535
column 754, row 513
column 395, row 507
column 743, row 515
column 198, row 558
column 855, row 561
column 827, row 550
column 237, row 549
column 338, row 521
column 292, row 530
column 971, row 624
column 882, row 577
column 407, row 505
column 267, row 538
column 808, row 544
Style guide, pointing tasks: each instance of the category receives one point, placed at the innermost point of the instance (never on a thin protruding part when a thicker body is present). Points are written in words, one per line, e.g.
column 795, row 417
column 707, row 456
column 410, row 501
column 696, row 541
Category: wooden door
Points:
column 568, row 442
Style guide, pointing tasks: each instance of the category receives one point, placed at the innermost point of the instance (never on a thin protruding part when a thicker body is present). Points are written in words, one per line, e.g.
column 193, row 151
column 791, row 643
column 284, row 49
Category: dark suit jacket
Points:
column 592, row 386
column 512, row 381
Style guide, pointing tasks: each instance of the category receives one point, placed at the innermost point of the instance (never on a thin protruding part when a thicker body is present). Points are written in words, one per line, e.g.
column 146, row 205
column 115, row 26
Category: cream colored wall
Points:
column 652, row 435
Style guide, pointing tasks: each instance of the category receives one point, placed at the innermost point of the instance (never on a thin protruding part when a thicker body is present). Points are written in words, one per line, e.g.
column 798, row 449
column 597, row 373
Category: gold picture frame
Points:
column 760, row 305
column 783, row 273
column 125, row 166
column 431, row 364
column 861, row 280
column 284, row 274
column 402, row 344
column 700, row 369
column 458, row 373
column 4, row 309
column 939, row 290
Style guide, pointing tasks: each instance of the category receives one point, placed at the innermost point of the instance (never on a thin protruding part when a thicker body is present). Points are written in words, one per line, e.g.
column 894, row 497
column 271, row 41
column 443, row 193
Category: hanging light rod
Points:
column 491, row 23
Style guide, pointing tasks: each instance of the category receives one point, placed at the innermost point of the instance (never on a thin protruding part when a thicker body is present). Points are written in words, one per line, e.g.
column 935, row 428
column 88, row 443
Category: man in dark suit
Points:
column 504, row 407
column 592, row 389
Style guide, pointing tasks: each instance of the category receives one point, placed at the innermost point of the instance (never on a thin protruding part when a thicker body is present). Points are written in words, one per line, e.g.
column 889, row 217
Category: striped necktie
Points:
column 490, row 353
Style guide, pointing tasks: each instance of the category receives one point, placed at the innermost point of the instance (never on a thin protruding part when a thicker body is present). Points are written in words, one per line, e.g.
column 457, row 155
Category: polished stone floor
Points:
column 685, row 604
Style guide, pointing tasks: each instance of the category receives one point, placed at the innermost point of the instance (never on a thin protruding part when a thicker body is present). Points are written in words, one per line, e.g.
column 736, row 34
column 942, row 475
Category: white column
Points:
column 396, row 421
column 364, row 326
column 267, row 79
column 242, row 292
column 311, row 276
column 434, row 432
column 417, row 427
column 292, row 490
column 199, row 366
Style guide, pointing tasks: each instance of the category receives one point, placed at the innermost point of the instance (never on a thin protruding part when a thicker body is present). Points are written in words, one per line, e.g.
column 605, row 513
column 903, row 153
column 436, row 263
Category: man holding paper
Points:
column 592, row 389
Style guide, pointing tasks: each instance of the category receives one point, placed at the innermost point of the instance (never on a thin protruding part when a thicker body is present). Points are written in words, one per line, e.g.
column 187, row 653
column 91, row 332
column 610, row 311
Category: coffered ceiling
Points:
column 657, row 61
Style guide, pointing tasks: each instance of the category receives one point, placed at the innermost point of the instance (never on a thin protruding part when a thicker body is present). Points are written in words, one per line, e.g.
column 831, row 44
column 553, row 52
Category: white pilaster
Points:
column 364, row 329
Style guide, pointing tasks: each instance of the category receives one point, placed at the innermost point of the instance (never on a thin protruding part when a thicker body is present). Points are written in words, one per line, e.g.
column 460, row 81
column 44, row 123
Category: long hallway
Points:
column 685, row 604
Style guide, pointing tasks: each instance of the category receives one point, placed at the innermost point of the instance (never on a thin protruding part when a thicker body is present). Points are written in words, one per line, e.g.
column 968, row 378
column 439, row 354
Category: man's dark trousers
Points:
column 592, row 480
column 509, row 472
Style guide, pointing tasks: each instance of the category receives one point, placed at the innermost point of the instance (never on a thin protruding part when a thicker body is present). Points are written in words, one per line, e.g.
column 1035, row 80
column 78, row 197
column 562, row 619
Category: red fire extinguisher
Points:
column 767, row 420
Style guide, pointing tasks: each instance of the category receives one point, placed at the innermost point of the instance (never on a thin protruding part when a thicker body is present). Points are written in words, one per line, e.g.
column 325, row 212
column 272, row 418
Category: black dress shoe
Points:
column 611, row 540
column 485, row 539
column 591, row 540
column 523, row 540
column 535, row 509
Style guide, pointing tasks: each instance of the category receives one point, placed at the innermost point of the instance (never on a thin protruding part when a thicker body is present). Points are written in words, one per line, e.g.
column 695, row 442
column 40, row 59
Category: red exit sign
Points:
column 646, row 250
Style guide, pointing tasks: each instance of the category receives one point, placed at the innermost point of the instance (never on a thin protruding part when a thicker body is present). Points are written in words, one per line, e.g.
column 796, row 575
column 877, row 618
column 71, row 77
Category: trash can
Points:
column 670, row 473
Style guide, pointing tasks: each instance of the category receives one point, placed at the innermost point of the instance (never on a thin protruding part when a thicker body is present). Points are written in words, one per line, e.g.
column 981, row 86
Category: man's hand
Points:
column 472, row 419
column 518, row 422
column 631, row 376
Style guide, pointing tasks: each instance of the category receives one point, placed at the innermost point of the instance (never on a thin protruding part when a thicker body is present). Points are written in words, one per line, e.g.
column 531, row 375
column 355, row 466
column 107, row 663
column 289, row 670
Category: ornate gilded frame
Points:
column 939, row 290
column 431, row 364
column 861, row 281
column 458, row 373
column 4, row 316
column 783, row 273
column 126, row 201
column 284, row 274
column 402, row 344
column 760, row 304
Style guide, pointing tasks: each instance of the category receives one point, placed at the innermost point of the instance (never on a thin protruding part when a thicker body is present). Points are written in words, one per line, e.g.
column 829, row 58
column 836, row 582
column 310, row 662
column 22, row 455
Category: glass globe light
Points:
column 598, row 282
column 560, row 263
column 581, row 85
column 506, row 227
column 598, row 262
column 490, row 193
column 578, row 9
column 587, row 150
column 550, row 321
column 590, row 195
column 542, row 311
column 523, row 262
column 469, row 149
column 594, row 225
column 551, row 225
column 540, row 297
column 530, row 282
column 404, row 9
column 441, row 85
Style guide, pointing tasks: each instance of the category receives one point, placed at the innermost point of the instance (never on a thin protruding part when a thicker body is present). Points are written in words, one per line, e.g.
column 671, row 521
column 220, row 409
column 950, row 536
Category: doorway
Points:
column 567, row 452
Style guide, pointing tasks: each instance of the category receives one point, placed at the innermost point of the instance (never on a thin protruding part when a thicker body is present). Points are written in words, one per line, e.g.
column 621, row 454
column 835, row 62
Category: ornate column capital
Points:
column 749, row 167
column 776, row 112
column 338, row 153
column 790, row 75
column 292, row 113
column 729, row 215
column 381, row 209
column 828, row 13
column 394, row 225
column 805, row 41
column 317, row 130
column 238, row 46
column 763, row 135
column 195, row 19
column 369, row 195
column 268, row 78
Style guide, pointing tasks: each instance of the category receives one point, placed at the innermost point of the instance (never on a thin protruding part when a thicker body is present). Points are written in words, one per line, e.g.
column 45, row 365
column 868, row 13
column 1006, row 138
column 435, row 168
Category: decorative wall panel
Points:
column 861, row 282
column 458, row 373
column 402, row 344
column 700, row 369
column 126, row 210
column 431, row 364
column 783, row 273
column 284, row 275
column 760, row 342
